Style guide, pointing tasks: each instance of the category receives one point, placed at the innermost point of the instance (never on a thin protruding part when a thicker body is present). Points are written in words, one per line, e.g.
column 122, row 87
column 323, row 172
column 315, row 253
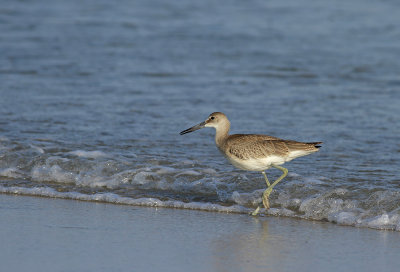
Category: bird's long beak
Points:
column 196, row 127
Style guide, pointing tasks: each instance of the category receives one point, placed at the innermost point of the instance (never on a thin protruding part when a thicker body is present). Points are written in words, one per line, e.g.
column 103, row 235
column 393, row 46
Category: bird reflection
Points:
column 248, row 246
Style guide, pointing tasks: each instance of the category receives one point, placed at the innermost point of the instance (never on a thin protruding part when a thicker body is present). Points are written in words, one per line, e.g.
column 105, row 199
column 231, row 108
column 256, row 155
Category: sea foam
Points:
column 357, row 218
column 88, row 154
column 116, row 199
column 11, row 172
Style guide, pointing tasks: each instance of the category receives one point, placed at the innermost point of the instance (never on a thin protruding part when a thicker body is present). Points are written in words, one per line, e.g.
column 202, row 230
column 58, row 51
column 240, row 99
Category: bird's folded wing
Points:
column 258, row 149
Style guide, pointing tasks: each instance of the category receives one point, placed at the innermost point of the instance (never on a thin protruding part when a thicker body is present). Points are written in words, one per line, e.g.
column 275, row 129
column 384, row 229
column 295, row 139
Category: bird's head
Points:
column 214, row 120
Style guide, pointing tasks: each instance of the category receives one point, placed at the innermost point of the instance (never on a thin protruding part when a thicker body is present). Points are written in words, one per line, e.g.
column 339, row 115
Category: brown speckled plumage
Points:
column 247, row 146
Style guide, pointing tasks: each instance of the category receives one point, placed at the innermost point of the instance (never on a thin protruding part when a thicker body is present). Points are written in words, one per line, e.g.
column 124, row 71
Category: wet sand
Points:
column 44, row 234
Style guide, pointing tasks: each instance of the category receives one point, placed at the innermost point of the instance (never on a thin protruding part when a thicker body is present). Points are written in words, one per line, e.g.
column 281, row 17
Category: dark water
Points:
column 93, row 95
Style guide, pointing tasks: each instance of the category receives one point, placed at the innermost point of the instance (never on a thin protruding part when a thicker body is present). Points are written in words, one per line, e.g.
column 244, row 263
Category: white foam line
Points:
column 378, row 222
column 114, row 198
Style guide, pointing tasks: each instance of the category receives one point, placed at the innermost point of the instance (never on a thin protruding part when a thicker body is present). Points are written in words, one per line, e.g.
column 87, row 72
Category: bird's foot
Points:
column 265, row 202
column 256, row 211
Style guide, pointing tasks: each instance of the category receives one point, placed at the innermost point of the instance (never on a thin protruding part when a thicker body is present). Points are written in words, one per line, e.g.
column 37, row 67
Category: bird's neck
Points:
column 221, row 134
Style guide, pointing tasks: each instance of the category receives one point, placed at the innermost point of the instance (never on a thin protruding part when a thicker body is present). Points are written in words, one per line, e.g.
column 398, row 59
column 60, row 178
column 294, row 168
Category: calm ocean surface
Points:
column 93, row 96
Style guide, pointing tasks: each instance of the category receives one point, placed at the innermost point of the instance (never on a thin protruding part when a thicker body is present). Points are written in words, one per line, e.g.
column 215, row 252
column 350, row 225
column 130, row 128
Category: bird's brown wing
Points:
column 258, row 149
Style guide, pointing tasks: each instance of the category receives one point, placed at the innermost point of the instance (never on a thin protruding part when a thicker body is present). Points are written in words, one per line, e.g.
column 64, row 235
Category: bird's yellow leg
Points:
column 269, row 189
column 256, row 211
column 266, row 179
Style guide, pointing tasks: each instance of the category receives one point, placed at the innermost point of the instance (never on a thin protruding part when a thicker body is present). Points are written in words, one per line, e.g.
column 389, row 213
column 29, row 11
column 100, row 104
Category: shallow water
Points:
column 94, row 95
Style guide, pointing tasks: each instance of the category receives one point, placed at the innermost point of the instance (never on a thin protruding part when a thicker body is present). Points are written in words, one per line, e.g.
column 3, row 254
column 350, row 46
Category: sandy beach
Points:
column 44, row 234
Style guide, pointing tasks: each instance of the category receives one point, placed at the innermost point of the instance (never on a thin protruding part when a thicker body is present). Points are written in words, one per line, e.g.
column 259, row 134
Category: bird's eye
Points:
column 212, row 118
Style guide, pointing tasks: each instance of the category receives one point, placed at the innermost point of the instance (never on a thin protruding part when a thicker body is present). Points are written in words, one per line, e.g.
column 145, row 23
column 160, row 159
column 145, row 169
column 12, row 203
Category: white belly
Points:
column 261, row 164
column 257, row 164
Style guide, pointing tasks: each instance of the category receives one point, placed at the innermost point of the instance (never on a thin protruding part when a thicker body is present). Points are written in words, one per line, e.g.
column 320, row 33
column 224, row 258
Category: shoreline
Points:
column 111, row 198
column 50, row 234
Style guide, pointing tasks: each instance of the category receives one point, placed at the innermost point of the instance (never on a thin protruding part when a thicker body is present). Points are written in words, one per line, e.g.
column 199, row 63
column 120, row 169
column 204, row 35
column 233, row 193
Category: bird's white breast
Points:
column 259, row 164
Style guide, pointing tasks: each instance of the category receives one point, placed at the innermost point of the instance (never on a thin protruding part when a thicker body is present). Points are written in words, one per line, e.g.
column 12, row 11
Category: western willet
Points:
column 254, row 152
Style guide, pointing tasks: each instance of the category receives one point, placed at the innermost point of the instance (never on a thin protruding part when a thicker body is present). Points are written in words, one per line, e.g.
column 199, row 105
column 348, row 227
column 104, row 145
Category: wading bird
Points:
column 255, row 152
